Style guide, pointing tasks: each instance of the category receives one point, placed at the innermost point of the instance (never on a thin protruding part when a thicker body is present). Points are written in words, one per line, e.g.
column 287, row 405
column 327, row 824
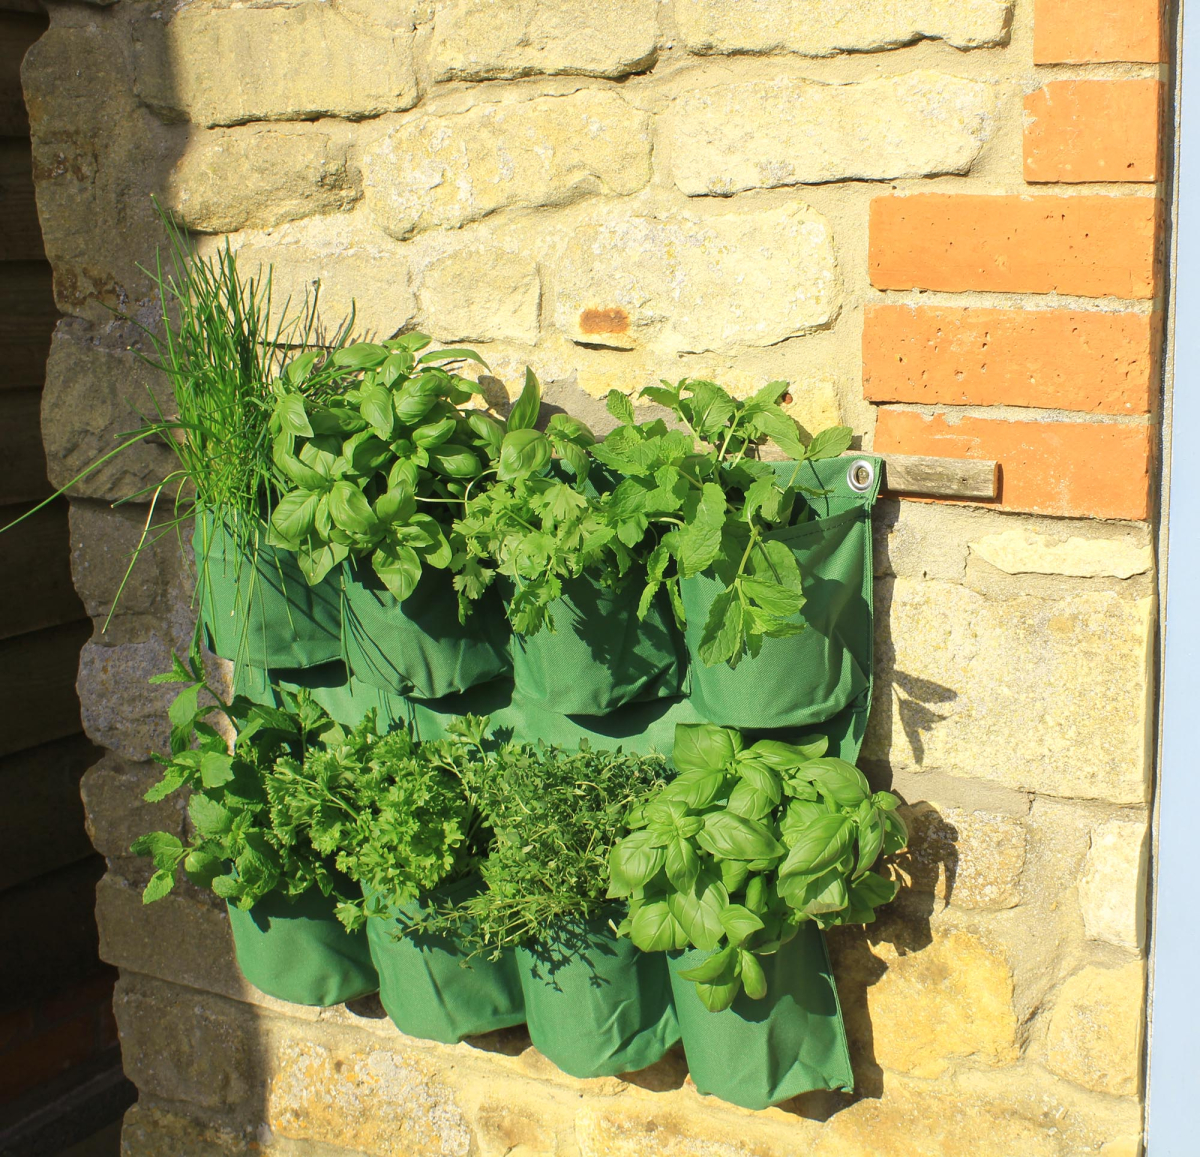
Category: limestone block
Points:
column 1095, row 1033
column 447, row 170
column 1027, row 552
column 825, row 27
column 488, row 39
column 788, row 131
column 153, row 1132
column 1112, row 891
column 121, row 709
column 479, row 295
column 694, row 284
column 319, row 1094
column 971, row 859
column 95, row 389
column 926, row 1005
column 1020, row 691
column 116, row 812
column 259, row 176
column 293, row 62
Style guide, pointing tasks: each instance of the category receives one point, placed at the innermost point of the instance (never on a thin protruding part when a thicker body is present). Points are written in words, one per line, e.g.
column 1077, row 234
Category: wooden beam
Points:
column 964, row 478
column 27, row 320
column 36, row 590
column 20, row 232
column 22, row 457
column 18, row 30
column 37, row 686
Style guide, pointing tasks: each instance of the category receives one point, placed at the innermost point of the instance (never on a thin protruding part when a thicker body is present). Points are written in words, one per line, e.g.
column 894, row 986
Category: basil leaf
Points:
column 633, row 863
column 698, row 910
column 398, row 567
column 822, row 843
column 350, row 509
column 736, row 838
column 523, row 452
column 653, row 928
column 294, row 516
column 718, row 967
column 292, row 417
column 361, row 356
column 753, row 979
column 455, row 462
column 739, row 923
column 524, row 414
column 703, row 747
column 682, row 864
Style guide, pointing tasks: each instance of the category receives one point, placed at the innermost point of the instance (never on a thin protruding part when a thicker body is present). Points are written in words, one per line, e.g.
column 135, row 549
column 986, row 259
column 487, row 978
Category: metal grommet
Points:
column 861, row 475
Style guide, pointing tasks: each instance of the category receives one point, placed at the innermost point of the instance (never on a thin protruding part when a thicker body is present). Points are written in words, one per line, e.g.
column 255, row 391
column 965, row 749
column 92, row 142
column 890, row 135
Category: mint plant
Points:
column 744, row 845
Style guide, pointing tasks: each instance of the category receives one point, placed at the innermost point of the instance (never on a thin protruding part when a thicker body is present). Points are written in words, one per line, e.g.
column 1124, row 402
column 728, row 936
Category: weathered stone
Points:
column 824, row 27
column 116, row 812
column 504, row 1127
column 694, row 284
column 476, row 294
column 926, row 1005
column 121, row 709
column 1026, row 552
column 971, row 859
column 1112, row 891
column 764, row 133
column 293, row 63
column 1095, row 1033
column 260, row 176
column 151, row 1132
column 448, row 170
column 318, row 1094
column 1019, row 692
column 487, row 39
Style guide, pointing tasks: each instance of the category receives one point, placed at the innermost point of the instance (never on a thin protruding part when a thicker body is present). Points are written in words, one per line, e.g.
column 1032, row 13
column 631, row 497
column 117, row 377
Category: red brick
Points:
column 1072, row 469
column 1056, row 359
column 1084, row 31
column 1093, row 130
column 1094, row 246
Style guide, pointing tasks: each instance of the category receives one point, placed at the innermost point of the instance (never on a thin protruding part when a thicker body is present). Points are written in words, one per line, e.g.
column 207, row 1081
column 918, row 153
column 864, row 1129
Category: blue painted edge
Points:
column 1173, row 1092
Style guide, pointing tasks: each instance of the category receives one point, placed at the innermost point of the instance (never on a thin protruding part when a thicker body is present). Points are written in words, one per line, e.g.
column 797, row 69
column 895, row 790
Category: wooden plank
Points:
column 22, row 457
column 18, row 30
column 36, row 590
column 37, row 686
column 34, row 6
column 20, row 232
column 27, row 320
column 941, row 477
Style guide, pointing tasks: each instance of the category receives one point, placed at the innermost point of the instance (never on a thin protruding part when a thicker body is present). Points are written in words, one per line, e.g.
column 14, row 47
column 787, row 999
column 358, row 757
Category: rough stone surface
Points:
column 971, row 859
column 116, row 812
column 481, row 295
column 1095, row 1032
column 448, row 170
column 789, row 131
column 1112, row 890
column 1018, row 692
column 1019, row 552
column 687, row 285
column 824, row 27
column 294, row 62
column 150, row 1132
column 260, row 176
column 483, row 39
column 926, row 1004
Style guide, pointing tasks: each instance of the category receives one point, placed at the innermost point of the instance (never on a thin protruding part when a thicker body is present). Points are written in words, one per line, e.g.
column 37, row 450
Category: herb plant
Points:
column 694, row 500
column 744, row 845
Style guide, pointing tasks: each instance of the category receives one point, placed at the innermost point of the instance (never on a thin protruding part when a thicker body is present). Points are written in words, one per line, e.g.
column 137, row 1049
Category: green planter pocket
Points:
column 760, row 1052
column 595, row 1004
column 599, row 655
column 256, row 607
column 418, row 647
column 428, row 987
column 297, row 950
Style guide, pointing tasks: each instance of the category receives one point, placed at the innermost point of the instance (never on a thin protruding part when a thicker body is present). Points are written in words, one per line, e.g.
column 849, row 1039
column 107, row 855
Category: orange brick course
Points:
column 1093, row 130
column 1071, row 469
column 1053, row 359
column 1084, row 31
column 1093, row 246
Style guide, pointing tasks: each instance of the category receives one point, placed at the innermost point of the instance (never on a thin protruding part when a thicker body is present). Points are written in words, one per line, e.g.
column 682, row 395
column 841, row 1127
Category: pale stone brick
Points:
column 481, row 294
column 121, row 709
column 447, row 170
column 117, row 814
column 292, row 63
column 764, row 133
column 1020, row 691
column 825, row 27
column 691, row 284
column 258, row 176
column 1112, row 890
column 1026, row 552
column 487, row 39
column 1095, row 1033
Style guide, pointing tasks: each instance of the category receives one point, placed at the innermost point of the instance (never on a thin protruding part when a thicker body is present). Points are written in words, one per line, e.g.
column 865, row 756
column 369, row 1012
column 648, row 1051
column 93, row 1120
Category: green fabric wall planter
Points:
column 595, row 1004
column 419, row 648
column 760, row 1052
column 428, row 987
column 599, row 655
column 297, row 950
column 256, row 607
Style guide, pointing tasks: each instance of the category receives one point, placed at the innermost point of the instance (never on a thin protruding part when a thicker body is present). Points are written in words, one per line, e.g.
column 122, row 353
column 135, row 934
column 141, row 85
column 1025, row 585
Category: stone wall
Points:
column 939, row 220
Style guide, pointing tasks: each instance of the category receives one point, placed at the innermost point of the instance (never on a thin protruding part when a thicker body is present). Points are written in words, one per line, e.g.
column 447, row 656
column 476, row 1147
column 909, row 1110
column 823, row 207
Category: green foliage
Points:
column 693, row 500
column 745, row 844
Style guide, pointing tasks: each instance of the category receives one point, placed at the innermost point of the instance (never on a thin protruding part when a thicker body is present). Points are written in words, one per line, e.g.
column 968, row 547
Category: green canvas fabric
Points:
column 255, row 605
column 804, row 680
column 297, row 950
column 418, row 647
column 760, row 1052
column 599, row 656
column 429, row 988
column 594, row 1003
